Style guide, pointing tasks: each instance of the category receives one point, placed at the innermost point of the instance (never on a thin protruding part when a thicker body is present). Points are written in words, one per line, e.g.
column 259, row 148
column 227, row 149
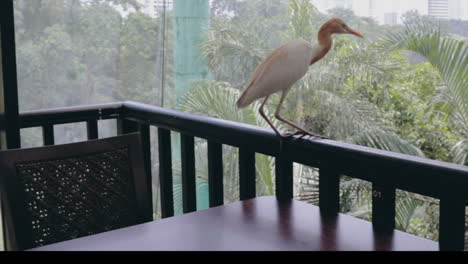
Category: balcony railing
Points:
column 387, row 171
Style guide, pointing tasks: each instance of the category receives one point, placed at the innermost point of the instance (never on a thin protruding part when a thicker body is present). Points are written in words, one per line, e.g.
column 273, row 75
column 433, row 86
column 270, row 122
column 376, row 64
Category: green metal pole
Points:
column 191, row 21
column 192, row 18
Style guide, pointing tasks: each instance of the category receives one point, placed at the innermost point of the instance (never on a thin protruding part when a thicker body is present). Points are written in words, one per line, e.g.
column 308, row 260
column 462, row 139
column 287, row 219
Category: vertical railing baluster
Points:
column 10, row 134
column 144, row 130
column 48, row 135
column 215, row 174
column 188, row 173
column 329, row 189
column 246, row 173
column 92, row 129
column 165, row 173
column 383, row 207
column 452, row 219
column 284, row 178
column 125, row 126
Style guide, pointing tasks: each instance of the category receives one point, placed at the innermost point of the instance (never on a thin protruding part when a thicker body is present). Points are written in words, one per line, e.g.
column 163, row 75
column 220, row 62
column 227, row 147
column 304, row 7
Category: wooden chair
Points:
column 56, row 193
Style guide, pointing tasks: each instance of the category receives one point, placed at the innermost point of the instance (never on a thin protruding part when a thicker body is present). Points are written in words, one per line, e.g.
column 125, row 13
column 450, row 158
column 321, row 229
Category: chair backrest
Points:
column 56, row 193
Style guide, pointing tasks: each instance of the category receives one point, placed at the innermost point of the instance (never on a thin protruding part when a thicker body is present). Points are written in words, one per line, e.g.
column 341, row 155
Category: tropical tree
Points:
column 450, row 58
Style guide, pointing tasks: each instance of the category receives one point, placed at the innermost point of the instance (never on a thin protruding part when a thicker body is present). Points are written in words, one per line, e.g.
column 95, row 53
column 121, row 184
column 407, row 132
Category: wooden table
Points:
column 260, row 224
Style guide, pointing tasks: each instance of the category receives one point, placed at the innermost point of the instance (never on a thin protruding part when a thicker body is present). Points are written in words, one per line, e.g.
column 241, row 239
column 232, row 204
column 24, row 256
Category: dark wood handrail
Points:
column 352, row 160
column 72, row 114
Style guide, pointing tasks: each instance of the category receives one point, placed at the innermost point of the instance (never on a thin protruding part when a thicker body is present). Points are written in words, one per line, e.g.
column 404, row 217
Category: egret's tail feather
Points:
column 243, row 101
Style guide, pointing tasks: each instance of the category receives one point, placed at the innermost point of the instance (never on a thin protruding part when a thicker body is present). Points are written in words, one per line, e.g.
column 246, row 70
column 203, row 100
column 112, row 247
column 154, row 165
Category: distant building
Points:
column 384, row 11
column 391, row 18
column 438, row 8
column 446, row 9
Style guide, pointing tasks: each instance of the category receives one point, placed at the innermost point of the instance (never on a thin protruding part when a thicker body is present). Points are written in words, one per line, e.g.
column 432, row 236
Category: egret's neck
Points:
column 325, row 42
column 324, row 38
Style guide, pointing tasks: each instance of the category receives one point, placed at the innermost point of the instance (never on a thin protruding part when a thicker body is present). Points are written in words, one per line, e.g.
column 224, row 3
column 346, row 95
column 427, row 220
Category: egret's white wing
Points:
column 279, row 71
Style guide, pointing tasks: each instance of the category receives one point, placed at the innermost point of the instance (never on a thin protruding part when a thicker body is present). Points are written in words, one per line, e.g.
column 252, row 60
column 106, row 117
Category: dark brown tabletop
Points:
column 260, row 224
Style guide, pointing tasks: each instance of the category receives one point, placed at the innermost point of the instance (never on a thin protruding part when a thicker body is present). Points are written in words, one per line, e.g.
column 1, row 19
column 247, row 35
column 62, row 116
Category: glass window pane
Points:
column 199, row 56
column 75, row 52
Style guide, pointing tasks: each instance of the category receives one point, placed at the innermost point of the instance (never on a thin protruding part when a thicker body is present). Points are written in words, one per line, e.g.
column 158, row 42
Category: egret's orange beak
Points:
column 351, row 31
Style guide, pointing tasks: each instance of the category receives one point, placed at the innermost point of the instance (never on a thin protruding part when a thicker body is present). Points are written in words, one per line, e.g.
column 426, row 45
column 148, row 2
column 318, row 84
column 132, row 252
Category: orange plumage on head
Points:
column 331, row 21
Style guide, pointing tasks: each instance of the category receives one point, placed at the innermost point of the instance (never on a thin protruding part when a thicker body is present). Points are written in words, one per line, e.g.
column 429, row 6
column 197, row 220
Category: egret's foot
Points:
column 291, row 134
column 303, row 133
column 317, row 136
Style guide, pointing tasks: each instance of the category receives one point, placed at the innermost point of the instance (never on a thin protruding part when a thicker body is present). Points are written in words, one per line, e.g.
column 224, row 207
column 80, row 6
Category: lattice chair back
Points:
column 57, row 193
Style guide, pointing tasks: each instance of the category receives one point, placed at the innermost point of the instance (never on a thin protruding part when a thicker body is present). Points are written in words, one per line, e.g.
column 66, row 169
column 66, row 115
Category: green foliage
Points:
column 238, row 46
column 302, row 14
column 450, row 58
column 74, row 52
column 136, row 57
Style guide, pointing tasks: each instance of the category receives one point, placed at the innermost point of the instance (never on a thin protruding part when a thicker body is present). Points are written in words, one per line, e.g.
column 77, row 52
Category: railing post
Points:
column 125, row 126
column 10, row 135
column 452, row 219
column 283, row 178
column 215, row 173
column 246, row 173
column 92, row 129
column 144, row 130
column 189, row 197
column 165, row 173
column 48, row 135
column 329, row 189
column 383, row 207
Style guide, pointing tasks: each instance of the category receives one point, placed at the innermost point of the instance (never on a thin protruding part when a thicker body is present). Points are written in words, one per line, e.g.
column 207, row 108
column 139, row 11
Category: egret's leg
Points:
column 262, row 113
column 277, row 115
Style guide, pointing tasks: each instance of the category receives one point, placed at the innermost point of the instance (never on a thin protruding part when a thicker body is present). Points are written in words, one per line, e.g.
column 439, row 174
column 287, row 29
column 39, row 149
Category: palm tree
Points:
column 450, row 57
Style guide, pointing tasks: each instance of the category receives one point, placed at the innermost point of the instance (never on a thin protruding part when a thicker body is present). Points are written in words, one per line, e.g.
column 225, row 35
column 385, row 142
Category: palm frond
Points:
column 358, row 122
column 218, row 99
column 232, row 52
column 460, row 151
column 450, row 57
column 377, row 138
column 405, row 209
column 355, row 197
column 215, row 99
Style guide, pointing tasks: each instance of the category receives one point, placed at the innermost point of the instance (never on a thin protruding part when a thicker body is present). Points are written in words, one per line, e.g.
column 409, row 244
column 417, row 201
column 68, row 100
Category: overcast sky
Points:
column 362, row 8
column 459, row 8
